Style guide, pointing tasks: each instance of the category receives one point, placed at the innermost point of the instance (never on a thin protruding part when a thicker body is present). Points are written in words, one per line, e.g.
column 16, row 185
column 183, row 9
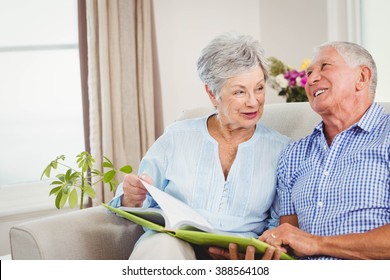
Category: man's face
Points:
column 331, row 82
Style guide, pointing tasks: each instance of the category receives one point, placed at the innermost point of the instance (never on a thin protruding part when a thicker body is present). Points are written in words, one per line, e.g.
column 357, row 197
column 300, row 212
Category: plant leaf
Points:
column 56, row 183
column 64, row 198
column 61, row 177
column 46, row 172
column 126, row 169
column 107, row 177
column 74, row 175
column 85, row 161
column 96, row 172
column 73, row 198
column 54, row 190
column 107, row 160
column 58, row 200
column 90, row 191
column 107, row 164
column 67, row 174
column 113, row 185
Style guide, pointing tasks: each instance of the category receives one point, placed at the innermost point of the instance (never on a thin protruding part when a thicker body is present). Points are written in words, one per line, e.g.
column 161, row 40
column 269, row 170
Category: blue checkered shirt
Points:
column 341, row 189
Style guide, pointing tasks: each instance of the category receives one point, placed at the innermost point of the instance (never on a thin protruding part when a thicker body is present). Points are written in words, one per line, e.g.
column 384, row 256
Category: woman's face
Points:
column 241, row 100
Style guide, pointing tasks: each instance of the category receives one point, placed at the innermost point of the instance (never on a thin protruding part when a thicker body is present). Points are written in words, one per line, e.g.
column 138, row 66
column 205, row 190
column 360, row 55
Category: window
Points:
column 40, row 92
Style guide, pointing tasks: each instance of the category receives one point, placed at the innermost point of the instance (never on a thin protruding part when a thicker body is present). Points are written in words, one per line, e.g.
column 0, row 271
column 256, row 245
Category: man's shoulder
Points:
column 300, row 145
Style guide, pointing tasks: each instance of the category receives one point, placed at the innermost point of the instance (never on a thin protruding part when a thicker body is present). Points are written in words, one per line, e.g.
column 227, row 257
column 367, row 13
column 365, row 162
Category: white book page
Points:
column 177, row 213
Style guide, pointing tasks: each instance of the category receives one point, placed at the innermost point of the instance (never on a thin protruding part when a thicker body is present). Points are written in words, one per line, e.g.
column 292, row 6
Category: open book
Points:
column 174, row 214
column 178, row 219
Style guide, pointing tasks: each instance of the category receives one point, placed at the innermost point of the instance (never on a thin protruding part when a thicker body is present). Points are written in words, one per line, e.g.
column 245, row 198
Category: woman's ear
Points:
column 364, row 78
column 211, row 95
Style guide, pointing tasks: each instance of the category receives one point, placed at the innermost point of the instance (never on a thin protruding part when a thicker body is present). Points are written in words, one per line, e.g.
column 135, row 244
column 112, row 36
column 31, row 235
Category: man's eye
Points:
column 323, row 65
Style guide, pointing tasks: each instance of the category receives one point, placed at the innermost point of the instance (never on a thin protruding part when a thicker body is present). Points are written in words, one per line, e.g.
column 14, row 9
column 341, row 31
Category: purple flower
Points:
column 292, row 82
column 294, row 74
column 304, row 80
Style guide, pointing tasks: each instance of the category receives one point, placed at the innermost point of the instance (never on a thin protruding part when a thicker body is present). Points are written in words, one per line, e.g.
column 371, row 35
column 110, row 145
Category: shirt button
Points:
column 320, row 204
column 326, row 173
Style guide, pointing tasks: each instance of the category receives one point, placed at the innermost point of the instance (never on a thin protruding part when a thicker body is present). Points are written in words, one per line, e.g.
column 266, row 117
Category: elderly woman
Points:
column 222, row 165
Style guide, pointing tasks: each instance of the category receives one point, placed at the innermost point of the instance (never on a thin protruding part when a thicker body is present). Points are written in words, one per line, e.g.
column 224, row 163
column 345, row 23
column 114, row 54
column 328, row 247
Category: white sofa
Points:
column 95, row 234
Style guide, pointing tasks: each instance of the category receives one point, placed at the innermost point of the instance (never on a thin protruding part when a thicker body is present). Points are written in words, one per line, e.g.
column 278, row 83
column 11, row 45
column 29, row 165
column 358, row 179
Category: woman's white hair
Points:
column 229, row 55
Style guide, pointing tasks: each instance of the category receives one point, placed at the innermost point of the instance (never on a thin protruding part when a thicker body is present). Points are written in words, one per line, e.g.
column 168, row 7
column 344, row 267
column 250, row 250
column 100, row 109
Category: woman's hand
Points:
column 232, row 254
column 134, row 192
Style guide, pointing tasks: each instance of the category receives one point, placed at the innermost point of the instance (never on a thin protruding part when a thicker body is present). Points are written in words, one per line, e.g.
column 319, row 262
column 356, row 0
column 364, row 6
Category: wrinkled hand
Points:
column 233, row 254
column 134, row 192
column 287, row 236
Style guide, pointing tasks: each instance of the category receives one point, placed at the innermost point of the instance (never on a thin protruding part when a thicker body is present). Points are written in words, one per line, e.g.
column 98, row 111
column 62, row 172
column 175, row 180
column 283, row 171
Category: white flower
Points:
column 281, row 81
column 298, row 80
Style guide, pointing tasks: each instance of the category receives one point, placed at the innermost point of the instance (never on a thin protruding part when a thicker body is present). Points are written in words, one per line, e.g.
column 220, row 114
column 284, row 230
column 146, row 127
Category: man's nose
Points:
column 313, row 77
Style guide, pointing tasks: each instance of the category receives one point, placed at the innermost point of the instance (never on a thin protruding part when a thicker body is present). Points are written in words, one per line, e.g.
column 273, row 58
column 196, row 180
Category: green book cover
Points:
column 193, row 234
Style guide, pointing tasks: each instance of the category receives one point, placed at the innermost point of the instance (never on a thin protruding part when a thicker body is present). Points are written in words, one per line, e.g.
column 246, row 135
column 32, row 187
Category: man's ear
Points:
column 211, row 95
column 363, row 78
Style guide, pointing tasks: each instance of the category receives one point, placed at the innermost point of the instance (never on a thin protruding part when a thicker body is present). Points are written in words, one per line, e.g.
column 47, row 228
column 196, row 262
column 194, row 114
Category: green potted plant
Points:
column 72, row 185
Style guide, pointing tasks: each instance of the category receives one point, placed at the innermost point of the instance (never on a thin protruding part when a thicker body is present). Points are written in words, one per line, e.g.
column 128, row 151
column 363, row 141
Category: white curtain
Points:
column 120, row 83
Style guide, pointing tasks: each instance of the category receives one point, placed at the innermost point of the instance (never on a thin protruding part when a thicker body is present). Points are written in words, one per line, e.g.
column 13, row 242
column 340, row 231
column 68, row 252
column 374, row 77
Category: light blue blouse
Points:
column 184, row 162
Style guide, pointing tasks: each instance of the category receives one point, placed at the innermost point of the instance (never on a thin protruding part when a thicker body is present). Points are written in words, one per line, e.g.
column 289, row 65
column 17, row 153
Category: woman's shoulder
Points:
column 193, row 124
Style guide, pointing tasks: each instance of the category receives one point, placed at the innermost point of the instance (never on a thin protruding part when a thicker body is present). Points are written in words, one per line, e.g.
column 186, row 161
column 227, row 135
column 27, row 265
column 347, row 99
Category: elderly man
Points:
column 334, row 185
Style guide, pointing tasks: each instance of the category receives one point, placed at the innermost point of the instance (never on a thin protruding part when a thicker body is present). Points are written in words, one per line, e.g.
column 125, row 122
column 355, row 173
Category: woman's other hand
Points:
column 134, row 192
column 233, row 254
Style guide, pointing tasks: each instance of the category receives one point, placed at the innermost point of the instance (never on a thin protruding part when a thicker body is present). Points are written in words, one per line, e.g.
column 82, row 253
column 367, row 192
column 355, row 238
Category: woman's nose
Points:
column 251, row 99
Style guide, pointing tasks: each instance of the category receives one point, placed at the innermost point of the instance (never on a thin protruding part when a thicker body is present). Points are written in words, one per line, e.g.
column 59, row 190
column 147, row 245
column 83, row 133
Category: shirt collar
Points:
column 370, row 119
column 366, row 123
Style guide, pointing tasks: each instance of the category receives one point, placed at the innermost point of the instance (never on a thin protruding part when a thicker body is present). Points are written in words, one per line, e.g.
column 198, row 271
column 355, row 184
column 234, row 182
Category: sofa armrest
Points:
column 91, row 234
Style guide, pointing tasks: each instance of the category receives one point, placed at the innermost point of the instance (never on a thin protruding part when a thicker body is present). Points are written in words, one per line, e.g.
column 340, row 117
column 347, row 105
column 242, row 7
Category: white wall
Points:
column 183, row 28
column 376, row 38
column 286, row 29
column 290, row 29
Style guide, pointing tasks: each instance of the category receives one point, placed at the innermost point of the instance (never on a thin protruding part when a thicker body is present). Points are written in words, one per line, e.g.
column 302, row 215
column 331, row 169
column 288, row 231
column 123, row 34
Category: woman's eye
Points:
column 239, row 93
column 260, row 88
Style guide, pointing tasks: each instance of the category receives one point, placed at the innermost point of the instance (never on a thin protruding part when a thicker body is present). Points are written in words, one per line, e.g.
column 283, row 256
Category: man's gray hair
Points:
column 229, row 55
column 355, row 55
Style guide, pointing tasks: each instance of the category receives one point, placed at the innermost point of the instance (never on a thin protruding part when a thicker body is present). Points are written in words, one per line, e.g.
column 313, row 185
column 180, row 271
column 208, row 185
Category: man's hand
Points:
column 288, row 236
